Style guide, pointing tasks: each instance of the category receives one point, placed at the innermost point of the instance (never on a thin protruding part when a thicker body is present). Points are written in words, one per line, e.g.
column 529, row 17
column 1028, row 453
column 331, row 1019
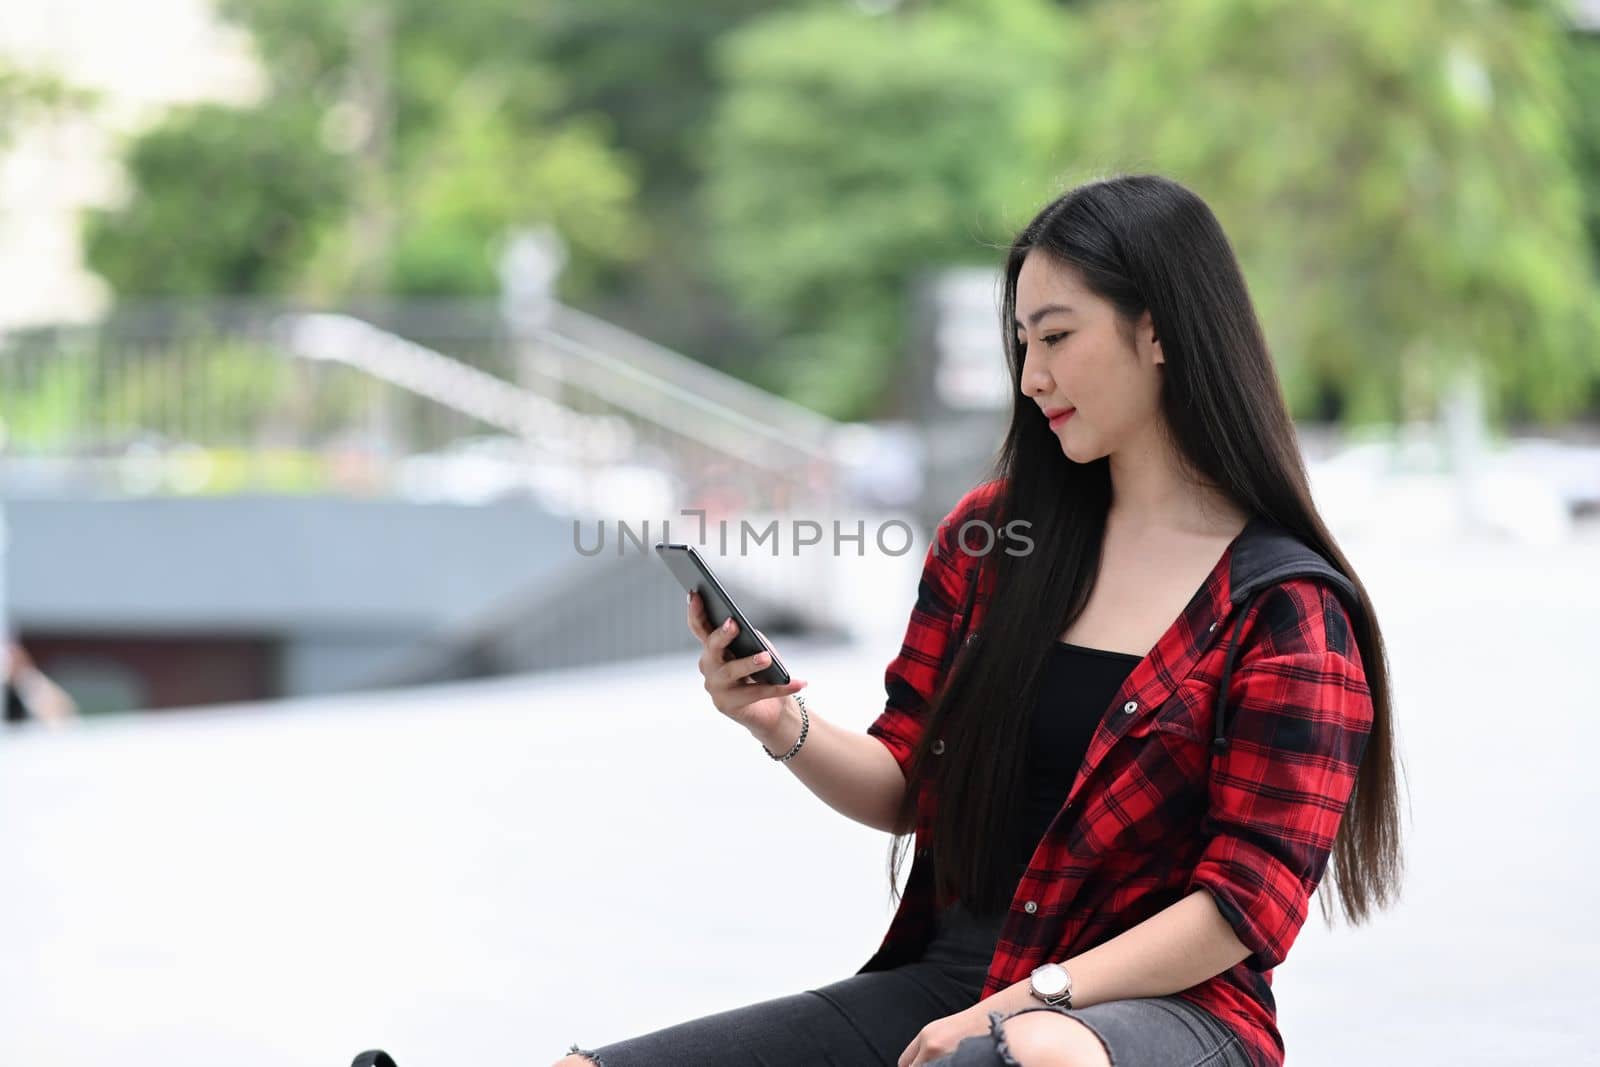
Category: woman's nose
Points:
column 1034, row 381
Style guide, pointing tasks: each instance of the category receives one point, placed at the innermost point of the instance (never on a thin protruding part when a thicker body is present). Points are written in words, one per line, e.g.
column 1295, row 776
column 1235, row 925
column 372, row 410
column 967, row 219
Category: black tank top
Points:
column 1077, row 685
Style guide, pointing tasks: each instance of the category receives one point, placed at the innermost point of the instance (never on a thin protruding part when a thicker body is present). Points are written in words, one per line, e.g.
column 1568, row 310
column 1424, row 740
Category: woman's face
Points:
column 1076, row 357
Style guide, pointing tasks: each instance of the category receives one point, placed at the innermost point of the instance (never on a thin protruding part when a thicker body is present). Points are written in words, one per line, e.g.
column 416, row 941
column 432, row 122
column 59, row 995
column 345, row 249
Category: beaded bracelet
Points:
column 805, row 726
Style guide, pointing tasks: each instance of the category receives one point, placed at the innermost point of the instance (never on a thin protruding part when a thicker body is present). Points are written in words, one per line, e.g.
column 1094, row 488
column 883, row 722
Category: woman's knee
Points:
column 1049, row 1039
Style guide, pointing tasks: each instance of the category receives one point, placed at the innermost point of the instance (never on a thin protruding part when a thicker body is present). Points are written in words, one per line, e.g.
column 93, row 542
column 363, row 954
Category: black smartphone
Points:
column 694, row 574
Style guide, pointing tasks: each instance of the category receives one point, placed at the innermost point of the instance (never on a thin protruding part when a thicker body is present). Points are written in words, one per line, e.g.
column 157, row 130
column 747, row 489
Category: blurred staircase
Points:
column 593, row 398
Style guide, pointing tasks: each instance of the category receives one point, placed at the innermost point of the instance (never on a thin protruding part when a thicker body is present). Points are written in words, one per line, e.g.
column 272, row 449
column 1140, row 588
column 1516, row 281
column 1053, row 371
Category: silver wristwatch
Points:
column 1051, row 984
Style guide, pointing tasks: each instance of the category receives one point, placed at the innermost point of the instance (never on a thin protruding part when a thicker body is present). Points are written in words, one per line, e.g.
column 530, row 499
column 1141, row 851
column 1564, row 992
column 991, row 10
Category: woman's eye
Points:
column 1049, row 339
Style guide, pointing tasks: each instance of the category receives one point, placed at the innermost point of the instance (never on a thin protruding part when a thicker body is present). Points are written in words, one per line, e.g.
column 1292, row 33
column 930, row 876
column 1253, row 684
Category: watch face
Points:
column 1050, row 979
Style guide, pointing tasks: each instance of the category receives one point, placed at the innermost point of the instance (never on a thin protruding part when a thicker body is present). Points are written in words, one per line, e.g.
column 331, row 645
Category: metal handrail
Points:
column 607, row 392
column 807, row 428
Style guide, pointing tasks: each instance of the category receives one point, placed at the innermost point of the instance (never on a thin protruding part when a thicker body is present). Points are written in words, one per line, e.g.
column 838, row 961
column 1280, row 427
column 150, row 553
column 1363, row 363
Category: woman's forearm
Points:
column 851, row 771
column 1176, row 948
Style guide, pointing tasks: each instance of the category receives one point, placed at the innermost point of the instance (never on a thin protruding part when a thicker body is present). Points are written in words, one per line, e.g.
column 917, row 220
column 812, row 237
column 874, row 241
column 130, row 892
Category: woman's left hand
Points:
column 940, row 1037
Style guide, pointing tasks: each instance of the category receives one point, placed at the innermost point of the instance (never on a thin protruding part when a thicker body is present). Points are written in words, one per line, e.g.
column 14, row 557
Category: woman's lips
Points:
column 1061, row 418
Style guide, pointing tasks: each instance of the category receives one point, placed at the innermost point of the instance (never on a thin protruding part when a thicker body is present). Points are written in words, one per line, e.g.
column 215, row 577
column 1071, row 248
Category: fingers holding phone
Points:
column 752, row 704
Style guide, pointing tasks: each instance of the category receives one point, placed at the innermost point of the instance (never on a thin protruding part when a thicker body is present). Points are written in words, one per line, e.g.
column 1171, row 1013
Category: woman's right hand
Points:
column 756, row 706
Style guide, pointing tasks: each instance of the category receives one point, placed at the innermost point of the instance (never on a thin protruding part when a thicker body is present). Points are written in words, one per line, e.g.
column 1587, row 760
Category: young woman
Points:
column 1141, row 702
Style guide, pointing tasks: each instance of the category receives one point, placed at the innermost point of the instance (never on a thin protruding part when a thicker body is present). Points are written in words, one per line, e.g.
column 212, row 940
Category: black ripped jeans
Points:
column 869, row 1019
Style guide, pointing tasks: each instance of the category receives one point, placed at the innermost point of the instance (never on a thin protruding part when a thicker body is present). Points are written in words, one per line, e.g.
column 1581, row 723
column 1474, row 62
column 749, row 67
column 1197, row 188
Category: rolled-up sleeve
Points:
column 1298, row 724
column 914, row 673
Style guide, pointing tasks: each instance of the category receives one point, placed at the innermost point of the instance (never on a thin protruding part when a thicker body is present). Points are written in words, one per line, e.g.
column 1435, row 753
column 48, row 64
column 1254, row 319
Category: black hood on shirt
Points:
column 1265, row 555
column 1268, row 553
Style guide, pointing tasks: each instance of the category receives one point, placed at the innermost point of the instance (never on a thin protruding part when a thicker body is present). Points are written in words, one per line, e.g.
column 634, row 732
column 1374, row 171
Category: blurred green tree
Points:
column 854, row 150
column 1583, row 73
column 27, row 95
column 1399, row 180
column 649, row 68
column 226, row 200
column 396, row 145
column 1404, row 184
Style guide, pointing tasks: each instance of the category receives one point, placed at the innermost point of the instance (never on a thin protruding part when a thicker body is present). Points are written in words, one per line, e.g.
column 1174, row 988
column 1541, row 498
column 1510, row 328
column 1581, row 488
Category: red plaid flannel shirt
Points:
column 1251, row 820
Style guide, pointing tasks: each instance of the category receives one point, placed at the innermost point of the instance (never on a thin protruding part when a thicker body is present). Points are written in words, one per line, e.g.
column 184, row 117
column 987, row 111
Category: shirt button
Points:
column 1030, row 907
column 1213, row 626
column 938, row 747
column 1130, row 707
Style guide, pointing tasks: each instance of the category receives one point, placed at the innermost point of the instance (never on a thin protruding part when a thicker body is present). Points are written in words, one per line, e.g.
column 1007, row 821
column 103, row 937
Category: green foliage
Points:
column 476, row 142
column 225, row 200
column 209, row 387
column 1408, row 186
column 852, row 152
column 27, row 95
column 648, row 66
column 41, row 411
column 1398, row 181
column 396, row 145
column 1583, row 81
column 483, row 175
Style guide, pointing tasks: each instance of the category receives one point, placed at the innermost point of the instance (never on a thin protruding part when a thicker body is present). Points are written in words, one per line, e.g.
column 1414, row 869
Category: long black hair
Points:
column 1141, row 242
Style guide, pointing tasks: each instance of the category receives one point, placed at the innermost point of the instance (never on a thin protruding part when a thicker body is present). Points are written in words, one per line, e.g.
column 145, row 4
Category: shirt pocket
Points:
column 1178, row 733
column 1185, row 713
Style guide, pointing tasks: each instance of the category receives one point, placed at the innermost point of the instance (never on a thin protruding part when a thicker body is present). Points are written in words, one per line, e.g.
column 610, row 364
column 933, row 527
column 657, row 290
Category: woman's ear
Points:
column 1146, row 326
